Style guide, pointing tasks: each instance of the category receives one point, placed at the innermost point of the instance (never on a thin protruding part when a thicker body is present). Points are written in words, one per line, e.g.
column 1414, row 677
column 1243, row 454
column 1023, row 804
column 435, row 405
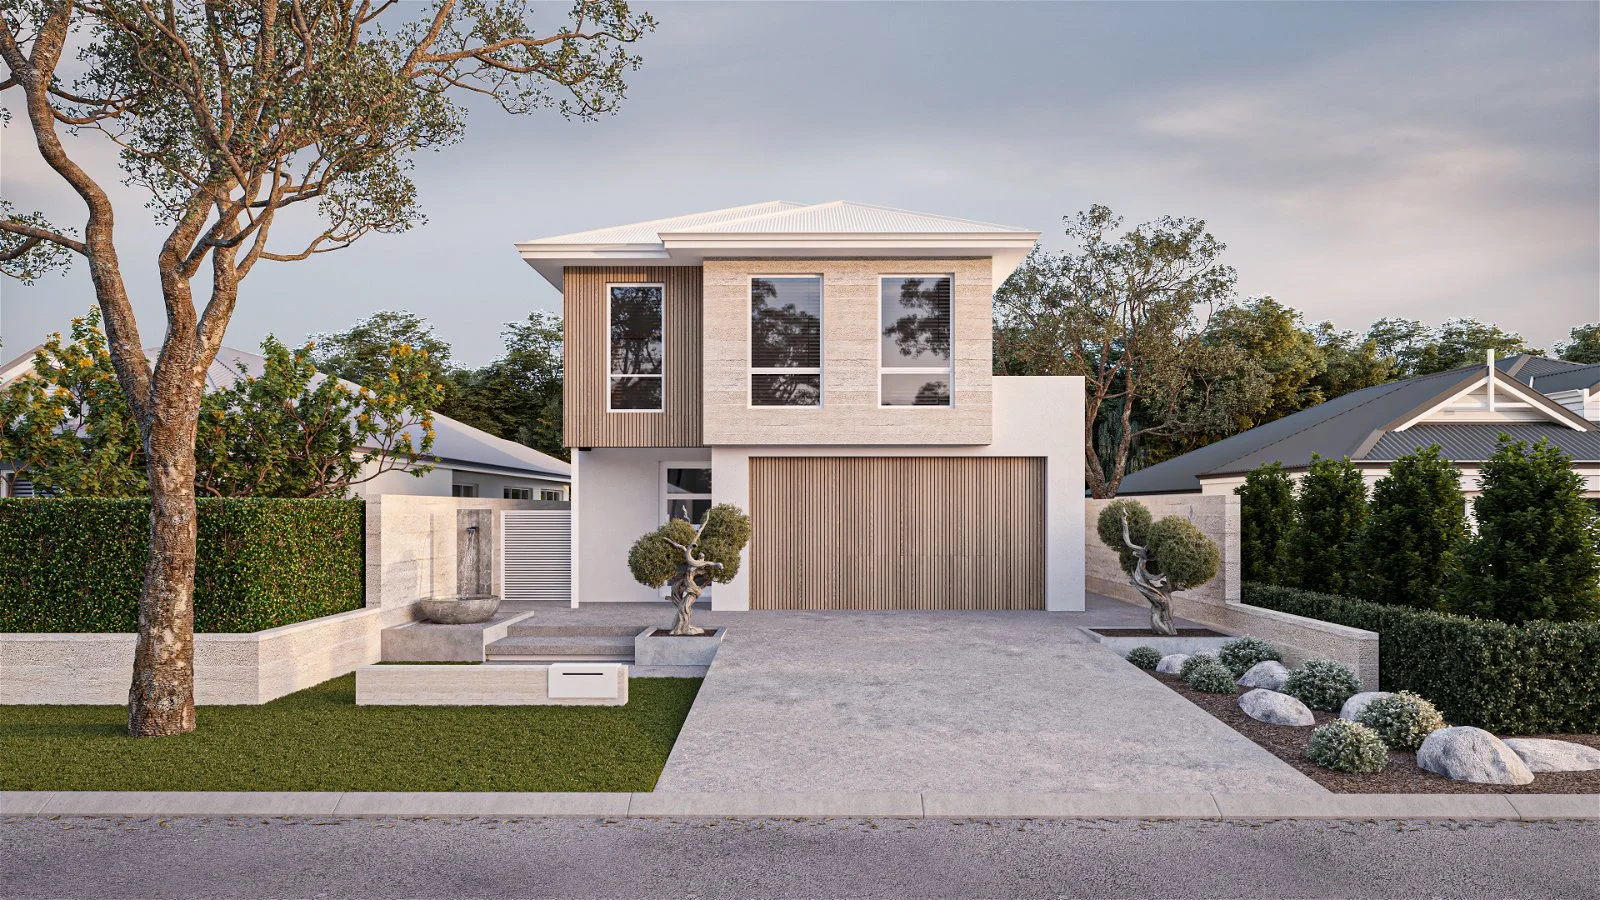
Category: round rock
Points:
column 1471, row 754
column 1352, row 708
column 1269, row 675
column 1544, row 755
column 1171, row 663
column 1275, row 708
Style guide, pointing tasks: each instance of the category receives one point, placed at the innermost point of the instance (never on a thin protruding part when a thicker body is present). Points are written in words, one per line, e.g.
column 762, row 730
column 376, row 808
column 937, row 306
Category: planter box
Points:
column 651, row 649
column 1182, row 643
column 488, row 684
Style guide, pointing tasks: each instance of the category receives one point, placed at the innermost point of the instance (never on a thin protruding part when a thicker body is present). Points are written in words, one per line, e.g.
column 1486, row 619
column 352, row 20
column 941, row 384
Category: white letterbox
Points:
column 586, row 679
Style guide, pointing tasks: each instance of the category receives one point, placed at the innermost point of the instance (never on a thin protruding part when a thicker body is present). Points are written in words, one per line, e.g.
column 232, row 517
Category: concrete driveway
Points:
column 1011, row 702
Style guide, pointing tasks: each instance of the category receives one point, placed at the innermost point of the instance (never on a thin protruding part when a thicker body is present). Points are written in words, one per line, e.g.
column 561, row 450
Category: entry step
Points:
column 560, row 648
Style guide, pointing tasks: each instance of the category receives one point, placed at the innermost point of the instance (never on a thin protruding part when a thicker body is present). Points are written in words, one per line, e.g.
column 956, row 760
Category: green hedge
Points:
column 77, row 565
column 1512, row 679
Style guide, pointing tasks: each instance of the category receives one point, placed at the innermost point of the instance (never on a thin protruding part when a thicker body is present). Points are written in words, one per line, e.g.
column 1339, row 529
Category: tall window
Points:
column 786, row 341
column 637, row 349
column 915, row 363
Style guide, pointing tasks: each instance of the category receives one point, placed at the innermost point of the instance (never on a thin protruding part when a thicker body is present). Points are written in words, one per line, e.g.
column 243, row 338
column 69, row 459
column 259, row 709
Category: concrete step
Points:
column 589, row 648
column 529, row 628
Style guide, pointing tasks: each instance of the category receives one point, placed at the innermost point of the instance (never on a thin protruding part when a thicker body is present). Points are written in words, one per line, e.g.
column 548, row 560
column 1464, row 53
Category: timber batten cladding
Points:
column 936, row 532
column 586, row 332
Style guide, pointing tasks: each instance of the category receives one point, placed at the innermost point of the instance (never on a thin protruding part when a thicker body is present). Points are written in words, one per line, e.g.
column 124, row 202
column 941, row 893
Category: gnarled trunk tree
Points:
column 229, row 112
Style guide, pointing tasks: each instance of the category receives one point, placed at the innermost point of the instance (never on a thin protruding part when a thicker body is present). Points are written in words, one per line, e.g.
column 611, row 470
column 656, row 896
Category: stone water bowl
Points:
column 459, row 610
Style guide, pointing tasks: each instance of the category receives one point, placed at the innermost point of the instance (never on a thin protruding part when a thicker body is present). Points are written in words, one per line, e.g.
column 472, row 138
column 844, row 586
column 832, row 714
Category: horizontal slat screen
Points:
column 536, row 555
column 897, row 532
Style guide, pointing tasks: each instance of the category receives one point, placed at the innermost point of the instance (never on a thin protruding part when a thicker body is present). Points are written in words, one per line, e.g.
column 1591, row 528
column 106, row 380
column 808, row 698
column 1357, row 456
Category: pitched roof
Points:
column 1572, row 378
column 649, row 232
column 1477, row 442
column 1357, row 425
column 777, row 228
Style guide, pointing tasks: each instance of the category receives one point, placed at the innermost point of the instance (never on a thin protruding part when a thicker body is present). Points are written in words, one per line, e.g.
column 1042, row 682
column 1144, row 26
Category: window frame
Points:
column 664, row 490
column 510, row 493
column 462, row 490
column 610, row 375
column 949, row 370
column 752, row 370
column 560, row 495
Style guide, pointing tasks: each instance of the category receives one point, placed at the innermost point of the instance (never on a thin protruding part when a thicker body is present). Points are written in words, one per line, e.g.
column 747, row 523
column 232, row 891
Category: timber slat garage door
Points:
column 897, row 532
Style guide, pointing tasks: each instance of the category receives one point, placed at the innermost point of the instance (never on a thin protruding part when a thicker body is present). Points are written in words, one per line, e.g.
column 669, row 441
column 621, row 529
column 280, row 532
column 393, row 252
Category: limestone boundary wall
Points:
column 1217, row 603
column 475, row 685
column 411, row 554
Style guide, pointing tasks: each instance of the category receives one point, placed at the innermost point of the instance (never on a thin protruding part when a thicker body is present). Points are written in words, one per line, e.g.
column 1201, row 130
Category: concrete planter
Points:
column 430, row 642
column 651, row 649
column 1167, row 645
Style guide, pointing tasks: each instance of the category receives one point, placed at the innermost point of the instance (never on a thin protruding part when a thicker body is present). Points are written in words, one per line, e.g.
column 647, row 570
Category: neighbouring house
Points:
column 828, row 369
column 466, row 462
column 1464, row 411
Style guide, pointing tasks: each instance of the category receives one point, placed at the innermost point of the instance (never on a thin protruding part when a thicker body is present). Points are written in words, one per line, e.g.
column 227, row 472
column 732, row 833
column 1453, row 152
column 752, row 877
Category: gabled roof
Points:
column 1364, row 425
column 1574, row 377
column 779, row 228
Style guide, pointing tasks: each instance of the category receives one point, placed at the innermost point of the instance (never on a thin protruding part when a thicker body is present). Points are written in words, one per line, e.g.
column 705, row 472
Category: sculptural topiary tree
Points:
column 688, row 559
column 1159, row 557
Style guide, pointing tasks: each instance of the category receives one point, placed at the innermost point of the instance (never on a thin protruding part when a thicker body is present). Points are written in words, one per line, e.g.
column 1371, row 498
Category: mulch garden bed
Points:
column 1400, row 776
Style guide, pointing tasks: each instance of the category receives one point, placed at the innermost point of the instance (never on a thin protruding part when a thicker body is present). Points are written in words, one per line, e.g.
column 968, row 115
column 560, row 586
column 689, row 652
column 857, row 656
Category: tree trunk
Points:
column 1161, row 614
column 684, row 599
column 161, row 698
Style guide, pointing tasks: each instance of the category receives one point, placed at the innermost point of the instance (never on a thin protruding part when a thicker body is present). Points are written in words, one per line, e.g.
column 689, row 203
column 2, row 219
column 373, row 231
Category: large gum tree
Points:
column 263, row 131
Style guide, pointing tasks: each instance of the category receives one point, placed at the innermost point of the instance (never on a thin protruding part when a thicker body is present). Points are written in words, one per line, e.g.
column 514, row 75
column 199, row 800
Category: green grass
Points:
column 319, row 740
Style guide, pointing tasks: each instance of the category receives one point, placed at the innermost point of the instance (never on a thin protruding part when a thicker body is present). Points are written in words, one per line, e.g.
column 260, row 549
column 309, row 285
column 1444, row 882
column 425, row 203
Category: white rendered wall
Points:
column 435, row 483
column 1033, row 416
column 617, row 498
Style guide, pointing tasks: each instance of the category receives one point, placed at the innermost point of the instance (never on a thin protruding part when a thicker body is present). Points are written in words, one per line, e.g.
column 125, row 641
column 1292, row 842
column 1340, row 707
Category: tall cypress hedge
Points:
column 1511, row 679
column 1410, row 550
column 1266, row 514
column 77, row 565
column 1330, row 510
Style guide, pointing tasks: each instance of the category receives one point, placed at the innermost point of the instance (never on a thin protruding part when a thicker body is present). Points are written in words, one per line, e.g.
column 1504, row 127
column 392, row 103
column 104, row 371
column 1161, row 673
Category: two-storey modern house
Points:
column 828, row 369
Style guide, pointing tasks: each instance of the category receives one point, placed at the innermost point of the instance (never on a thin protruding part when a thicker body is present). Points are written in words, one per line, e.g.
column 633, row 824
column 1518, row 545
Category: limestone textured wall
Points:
column 411, row 554
column 1216, row 603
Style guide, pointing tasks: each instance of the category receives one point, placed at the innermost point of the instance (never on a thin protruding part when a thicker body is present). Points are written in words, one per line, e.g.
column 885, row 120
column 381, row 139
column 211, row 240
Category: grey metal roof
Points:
column 1475, row 443
column 1356, row 426
column 1336, row 428
column 1573, row 377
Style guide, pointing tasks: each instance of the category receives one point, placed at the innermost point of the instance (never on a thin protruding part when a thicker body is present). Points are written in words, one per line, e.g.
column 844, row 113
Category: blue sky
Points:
column 1360, row 160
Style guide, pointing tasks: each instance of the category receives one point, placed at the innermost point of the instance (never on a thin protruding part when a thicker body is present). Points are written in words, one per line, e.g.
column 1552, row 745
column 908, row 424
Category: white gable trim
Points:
column 1526, row 400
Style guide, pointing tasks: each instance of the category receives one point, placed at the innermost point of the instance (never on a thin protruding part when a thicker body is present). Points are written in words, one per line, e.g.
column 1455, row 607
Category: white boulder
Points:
column 1352, row 708
column 1545, row 755
column 1171, row 663
column 1471, row 754
column 1275, row 708
column 1269, row 675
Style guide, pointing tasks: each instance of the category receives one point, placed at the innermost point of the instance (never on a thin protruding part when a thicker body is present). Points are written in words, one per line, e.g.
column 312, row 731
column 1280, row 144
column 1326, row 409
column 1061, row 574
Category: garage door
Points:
column 897, row 533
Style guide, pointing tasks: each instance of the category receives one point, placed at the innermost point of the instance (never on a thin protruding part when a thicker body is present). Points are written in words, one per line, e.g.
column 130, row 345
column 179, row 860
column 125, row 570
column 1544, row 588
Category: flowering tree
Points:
column 228, row 114
column 277, row 431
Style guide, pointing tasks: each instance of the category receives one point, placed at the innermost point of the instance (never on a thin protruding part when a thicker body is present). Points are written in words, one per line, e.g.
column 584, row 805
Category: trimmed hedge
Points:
column 77, row 565
column 1510, row 679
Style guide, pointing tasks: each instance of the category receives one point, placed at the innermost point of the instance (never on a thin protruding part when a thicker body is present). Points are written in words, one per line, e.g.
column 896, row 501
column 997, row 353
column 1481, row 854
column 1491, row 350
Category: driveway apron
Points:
column 964, row 702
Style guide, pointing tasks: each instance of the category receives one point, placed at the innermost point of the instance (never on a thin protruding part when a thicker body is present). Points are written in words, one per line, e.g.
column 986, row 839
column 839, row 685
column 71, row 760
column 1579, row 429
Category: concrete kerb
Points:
column 354, row 804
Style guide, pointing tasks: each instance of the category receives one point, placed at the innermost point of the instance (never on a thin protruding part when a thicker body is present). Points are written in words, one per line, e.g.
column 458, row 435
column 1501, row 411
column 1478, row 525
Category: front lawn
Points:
column 319, row 740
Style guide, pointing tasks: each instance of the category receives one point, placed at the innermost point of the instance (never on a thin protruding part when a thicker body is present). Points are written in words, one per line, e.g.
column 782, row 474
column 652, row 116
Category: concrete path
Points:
column 960, row 702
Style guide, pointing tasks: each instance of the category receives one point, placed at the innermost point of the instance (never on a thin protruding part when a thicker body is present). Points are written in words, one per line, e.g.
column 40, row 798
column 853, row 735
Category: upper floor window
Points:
column 638, row 350
column 786, row 341
column 915, row 361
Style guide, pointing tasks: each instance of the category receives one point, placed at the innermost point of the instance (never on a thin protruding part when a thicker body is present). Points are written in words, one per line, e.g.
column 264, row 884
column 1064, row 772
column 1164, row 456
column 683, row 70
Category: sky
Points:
column 1425, row 160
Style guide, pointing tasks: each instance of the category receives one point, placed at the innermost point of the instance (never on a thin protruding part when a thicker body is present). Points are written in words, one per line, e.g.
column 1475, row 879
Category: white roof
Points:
column 779, row 228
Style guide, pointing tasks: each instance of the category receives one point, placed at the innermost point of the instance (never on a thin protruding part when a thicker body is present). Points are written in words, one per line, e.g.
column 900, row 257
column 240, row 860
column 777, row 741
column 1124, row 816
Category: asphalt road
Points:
column 771, row 858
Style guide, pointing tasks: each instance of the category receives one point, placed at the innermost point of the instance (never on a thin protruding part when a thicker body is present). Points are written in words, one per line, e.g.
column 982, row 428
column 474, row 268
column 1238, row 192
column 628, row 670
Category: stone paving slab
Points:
column 1211, row 806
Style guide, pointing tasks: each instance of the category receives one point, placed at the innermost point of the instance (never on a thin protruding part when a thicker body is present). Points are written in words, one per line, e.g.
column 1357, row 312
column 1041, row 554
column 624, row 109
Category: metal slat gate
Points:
column 536, row 554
